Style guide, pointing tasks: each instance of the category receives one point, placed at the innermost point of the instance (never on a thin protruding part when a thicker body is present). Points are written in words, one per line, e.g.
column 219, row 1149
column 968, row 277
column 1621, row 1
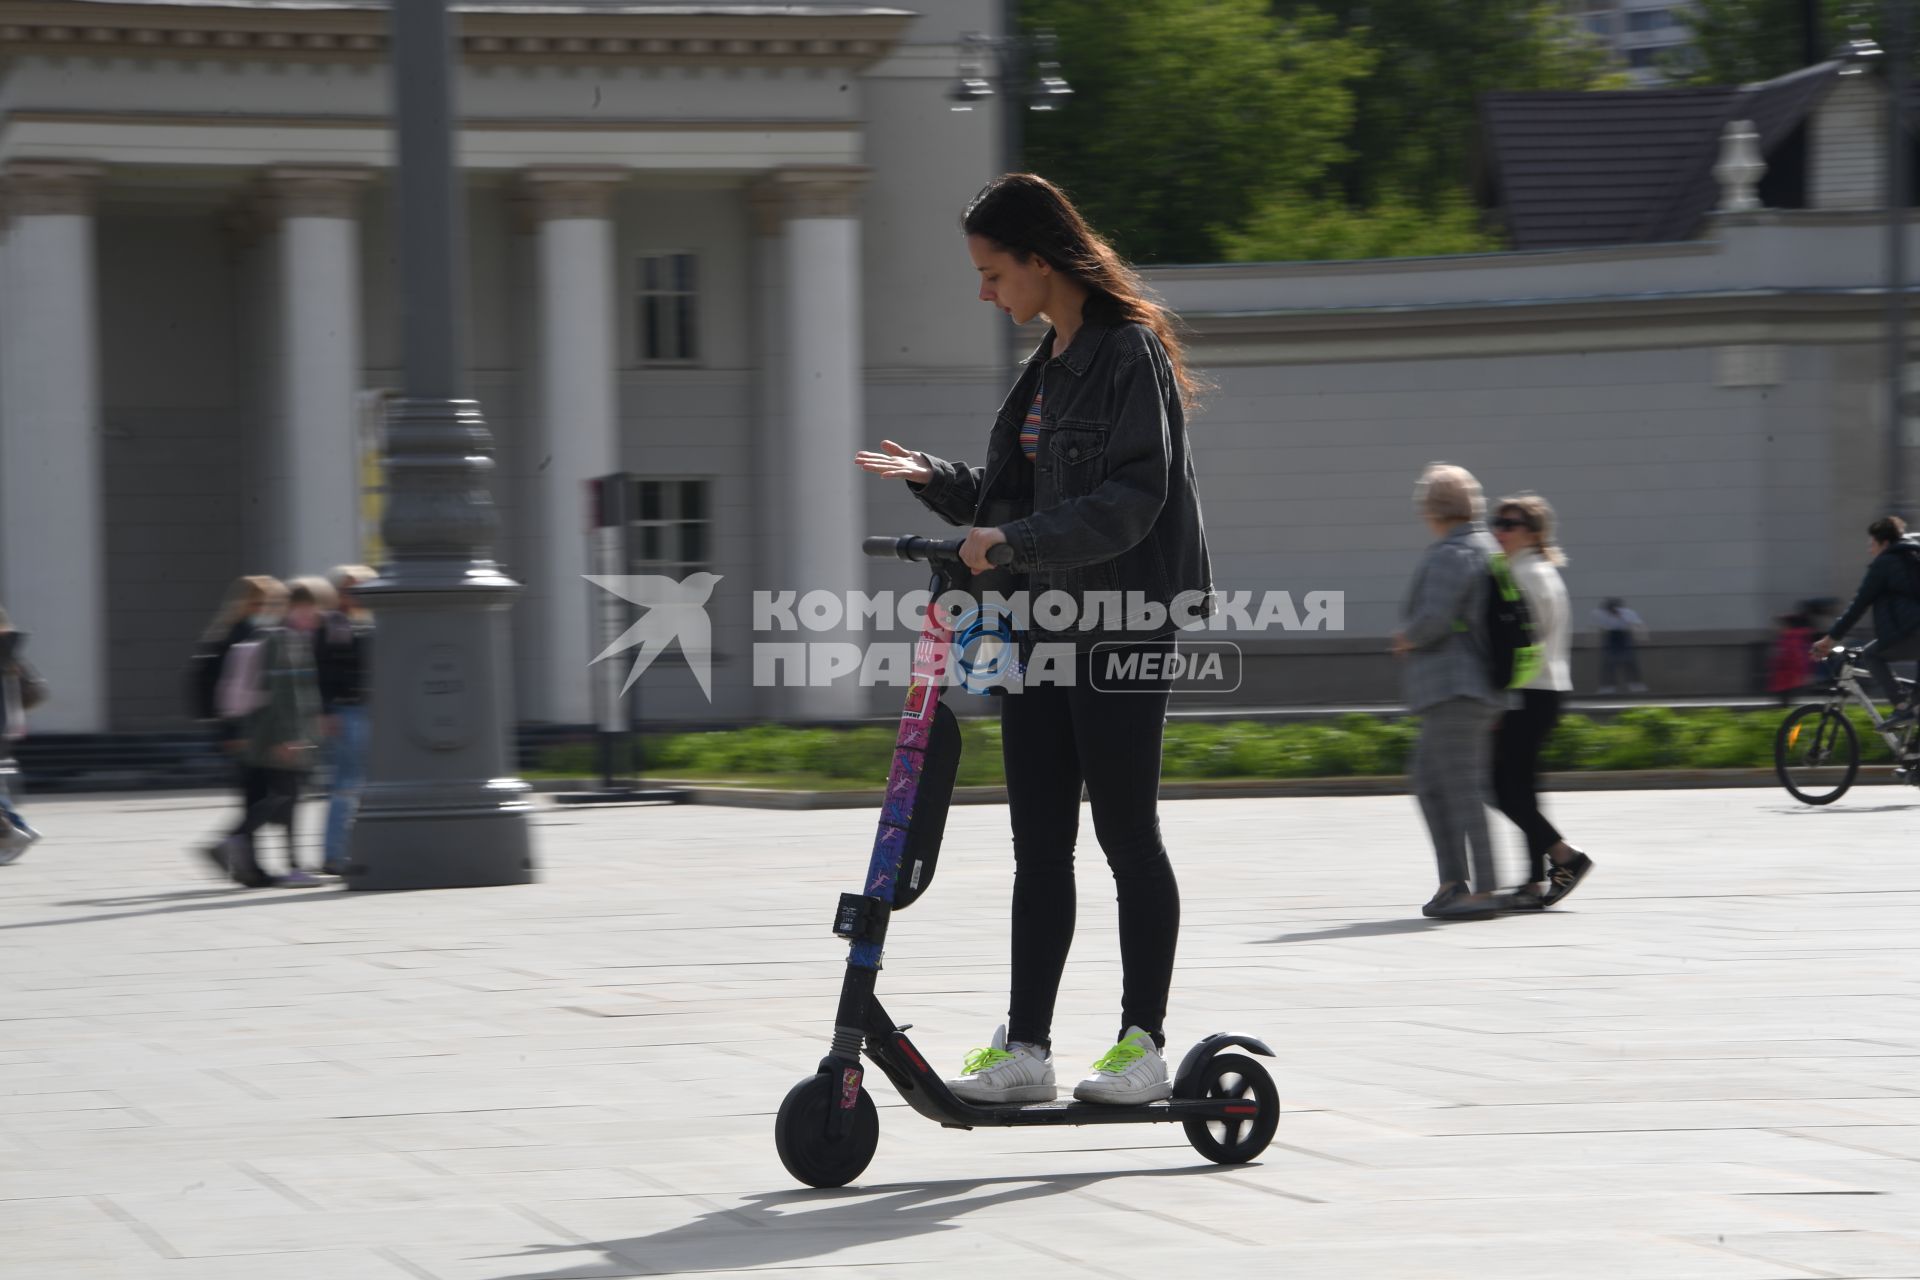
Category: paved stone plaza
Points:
column 1705, row 1067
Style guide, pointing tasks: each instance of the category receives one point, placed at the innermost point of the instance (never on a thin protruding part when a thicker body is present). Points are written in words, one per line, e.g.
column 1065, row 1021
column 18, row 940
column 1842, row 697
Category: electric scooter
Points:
column 827, row 1128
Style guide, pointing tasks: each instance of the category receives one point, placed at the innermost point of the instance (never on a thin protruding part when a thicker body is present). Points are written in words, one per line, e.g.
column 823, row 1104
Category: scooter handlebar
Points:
column 930, row 550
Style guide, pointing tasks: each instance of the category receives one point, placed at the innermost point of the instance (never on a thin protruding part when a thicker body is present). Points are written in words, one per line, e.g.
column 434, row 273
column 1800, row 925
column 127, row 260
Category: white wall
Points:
column 1306, row 476
column 928, row 161
column 1849, row 146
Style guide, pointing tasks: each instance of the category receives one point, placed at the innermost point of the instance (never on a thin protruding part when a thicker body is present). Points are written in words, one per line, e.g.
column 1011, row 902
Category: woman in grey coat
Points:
column 1444, row 642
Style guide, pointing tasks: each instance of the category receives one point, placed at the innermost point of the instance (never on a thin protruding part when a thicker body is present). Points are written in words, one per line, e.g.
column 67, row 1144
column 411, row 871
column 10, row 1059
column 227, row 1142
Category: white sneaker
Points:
column 1130, row 1073
column 1002, row 1072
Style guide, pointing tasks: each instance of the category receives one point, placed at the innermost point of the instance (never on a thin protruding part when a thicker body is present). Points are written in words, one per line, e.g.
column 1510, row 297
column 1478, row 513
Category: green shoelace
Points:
column 1123, row 1055
column 983, row 1060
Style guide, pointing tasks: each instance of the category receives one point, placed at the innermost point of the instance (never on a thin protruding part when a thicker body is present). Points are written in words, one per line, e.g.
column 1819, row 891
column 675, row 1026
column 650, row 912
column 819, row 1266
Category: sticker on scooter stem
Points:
column 919, row 700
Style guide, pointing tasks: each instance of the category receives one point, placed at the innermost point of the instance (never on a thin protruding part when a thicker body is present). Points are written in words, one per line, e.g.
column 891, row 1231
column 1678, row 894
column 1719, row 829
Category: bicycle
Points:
column 1816, row 751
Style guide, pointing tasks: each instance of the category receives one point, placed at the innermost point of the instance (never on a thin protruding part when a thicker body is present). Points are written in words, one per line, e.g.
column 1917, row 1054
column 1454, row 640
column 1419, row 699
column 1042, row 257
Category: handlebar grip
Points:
column 930, row 550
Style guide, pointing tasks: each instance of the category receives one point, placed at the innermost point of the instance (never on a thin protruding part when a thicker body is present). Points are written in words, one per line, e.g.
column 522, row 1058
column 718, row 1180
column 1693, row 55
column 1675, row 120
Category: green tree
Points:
column 1289, row 128
column 1417, row 116
column 1741, row 41
column 1187, row 113
column 1294, row 228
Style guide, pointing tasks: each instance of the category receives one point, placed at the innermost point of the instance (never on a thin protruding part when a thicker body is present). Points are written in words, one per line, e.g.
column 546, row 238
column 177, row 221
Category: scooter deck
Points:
column 1174, row 1110
column 923, row 1090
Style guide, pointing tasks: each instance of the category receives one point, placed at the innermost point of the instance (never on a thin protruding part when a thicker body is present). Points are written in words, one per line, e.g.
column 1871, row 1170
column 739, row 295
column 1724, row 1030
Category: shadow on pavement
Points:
column 217, row 898
column 1854, row 808
column 786, row 1227
column 1362, row 929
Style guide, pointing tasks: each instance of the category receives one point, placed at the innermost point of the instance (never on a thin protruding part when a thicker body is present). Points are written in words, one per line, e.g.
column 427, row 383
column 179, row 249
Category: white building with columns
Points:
column 711, row 245
column 716, row 247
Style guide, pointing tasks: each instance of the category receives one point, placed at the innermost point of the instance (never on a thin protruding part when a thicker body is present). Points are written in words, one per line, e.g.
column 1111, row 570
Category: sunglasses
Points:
column 1510, row 523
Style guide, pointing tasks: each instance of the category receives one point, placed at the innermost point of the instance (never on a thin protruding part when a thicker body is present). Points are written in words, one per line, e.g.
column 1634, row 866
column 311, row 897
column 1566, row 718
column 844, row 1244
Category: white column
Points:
column 317, row 462
column 823, row 409
column 576, row 422
column 772, row 561
column 53, row 579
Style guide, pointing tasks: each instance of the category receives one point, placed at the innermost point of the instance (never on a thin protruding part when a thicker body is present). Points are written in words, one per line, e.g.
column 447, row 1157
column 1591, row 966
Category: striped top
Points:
column 1030, row 430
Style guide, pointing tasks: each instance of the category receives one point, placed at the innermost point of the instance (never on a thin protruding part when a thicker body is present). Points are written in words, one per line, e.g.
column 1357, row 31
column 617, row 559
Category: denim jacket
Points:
column 1109, row 503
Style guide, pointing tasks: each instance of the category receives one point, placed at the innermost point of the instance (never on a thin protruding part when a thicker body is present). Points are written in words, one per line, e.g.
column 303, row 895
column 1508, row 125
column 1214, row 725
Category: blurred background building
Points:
column 715, row 247
column 1649, row 39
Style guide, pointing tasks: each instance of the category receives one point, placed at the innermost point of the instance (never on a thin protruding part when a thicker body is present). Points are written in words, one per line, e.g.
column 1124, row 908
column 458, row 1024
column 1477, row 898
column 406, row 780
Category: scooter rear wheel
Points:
column 800, row 1135
column 1240, row 1139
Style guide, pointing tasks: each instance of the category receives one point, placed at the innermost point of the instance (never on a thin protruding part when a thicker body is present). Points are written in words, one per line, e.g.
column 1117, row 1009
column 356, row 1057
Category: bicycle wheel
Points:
column 1816, row 754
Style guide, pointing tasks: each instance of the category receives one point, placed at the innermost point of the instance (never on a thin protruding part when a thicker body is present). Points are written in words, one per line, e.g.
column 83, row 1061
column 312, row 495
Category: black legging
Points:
column 1517, row 741
column 1054, row 738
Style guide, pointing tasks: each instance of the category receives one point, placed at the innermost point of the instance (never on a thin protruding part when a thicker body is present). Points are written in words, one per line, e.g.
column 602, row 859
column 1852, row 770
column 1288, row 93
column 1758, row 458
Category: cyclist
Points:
column 1891, row 588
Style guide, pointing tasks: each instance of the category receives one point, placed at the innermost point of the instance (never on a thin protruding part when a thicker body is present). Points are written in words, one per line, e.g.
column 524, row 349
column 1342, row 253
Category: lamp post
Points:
column 1018, row 68
column 441, row 809
column 1023, row 68
column 1898, row 34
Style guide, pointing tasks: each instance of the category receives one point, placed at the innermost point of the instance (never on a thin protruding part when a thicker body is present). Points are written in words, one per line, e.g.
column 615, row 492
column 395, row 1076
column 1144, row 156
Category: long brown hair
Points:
column 1025, row 215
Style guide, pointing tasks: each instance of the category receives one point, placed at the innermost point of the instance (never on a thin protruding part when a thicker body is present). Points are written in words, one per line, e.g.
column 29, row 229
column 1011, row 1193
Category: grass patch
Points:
column 1354, row 745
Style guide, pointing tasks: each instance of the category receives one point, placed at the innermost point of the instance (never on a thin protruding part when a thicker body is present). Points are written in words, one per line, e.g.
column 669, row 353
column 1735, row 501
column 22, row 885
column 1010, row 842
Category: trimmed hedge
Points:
column 1353, row 745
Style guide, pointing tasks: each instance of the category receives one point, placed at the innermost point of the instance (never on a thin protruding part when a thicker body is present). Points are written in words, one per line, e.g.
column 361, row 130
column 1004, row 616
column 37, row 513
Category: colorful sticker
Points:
column 920, row 700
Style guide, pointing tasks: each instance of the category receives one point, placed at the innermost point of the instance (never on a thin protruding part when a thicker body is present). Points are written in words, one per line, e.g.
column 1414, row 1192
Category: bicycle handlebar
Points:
column 930, row 550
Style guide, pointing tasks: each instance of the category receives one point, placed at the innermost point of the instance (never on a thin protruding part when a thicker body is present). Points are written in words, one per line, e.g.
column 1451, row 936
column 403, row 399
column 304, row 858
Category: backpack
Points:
column 1513, row 649
column 243, row 686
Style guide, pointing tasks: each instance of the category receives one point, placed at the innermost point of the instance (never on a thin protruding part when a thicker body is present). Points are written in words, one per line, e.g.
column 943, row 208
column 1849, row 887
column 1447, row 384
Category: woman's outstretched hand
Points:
column 894, row 462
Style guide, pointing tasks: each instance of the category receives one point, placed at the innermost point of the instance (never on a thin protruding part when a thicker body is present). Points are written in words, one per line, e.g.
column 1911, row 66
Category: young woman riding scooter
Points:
column 1090, row 450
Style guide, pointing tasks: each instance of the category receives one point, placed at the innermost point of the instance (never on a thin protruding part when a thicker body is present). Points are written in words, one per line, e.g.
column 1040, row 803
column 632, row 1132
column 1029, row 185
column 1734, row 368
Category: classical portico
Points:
column 197, row 301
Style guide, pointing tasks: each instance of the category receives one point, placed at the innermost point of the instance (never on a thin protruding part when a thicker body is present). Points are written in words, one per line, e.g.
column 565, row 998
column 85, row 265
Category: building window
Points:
column 671, row 527
column 1644, row 58
column 1649, row 20
column 669, row 319
column 1600, row 24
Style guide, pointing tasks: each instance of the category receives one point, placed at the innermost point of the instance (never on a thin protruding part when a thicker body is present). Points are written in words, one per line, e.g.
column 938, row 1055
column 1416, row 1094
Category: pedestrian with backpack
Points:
column 252, row 602
column 1891, row 588
column 21, row 690
column 1523, row 525
column 271, row 681
column 1446, row 641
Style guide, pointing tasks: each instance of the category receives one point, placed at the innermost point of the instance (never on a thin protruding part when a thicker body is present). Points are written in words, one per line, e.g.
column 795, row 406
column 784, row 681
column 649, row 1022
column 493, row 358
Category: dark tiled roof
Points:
column 1628, row 167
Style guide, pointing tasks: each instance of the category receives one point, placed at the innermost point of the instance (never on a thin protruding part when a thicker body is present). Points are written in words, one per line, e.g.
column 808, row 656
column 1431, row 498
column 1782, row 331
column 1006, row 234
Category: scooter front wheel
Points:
column 1238, row 1139
column 800, row 1134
